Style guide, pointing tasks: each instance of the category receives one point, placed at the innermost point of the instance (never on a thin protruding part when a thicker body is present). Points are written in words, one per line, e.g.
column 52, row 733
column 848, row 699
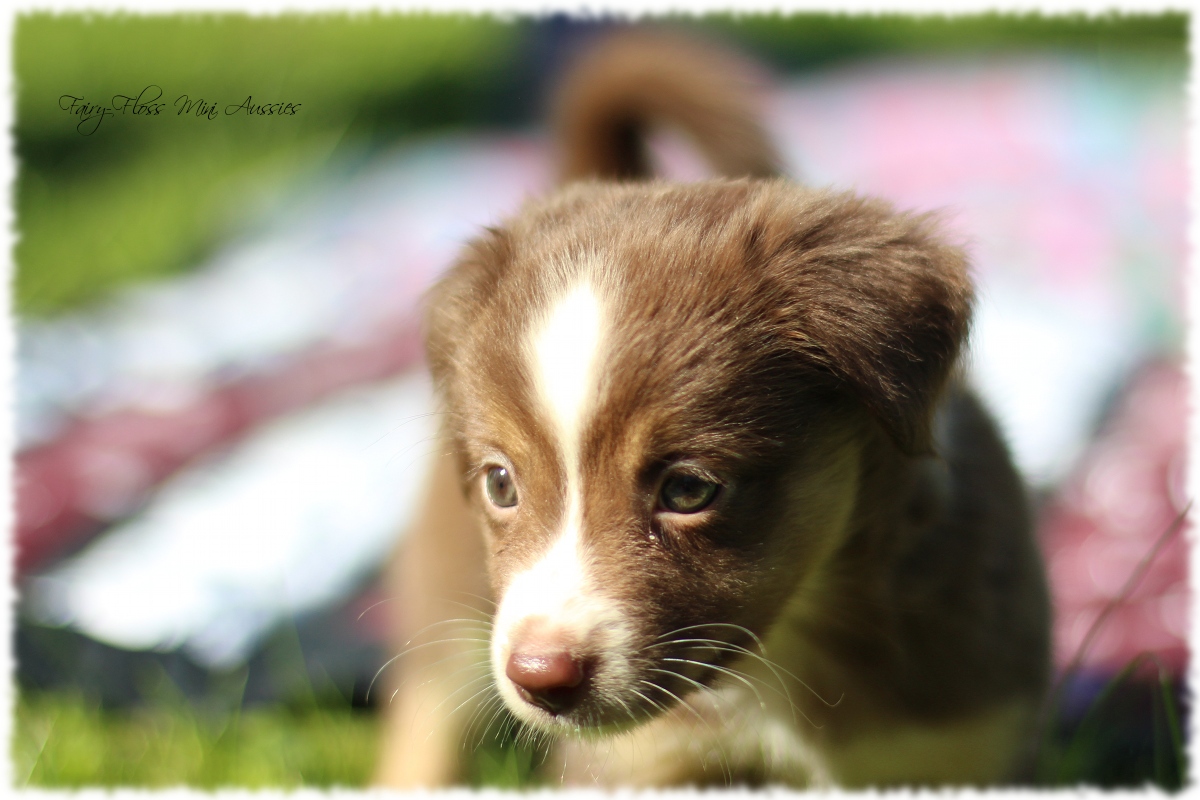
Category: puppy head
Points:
column 658, row 395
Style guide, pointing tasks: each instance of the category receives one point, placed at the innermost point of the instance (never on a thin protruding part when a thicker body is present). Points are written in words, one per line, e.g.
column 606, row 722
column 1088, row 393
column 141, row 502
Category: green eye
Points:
column 686, row 493
column 500, row 487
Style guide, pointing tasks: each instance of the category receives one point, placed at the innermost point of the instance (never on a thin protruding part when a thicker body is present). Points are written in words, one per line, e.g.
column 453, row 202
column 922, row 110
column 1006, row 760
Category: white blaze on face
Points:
column 566, row 356
column 566, row 352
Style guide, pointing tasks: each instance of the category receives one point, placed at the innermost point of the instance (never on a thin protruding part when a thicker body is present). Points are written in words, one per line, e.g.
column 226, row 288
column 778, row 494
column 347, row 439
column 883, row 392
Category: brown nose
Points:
column 550, row 679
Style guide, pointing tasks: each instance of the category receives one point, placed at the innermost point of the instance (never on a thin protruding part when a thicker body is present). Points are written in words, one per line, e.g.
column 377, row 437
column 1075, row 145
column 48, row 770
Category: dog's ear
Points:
column 453, row 304
column 876, row 300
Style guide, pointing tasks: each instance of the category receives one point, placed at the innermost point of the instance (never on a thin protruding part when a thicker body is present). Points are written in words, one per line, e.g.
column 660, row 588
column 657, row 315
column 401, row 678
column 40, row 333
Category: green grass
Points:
column 1102, row 749
column 798, row 41
column 146, row 197
column 116, row 237
column 63, row 741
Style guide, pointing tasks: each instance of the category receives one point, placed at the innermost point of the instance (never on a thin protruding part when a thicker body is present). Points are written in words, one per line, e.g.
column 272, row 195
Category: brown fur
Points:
column 800, row 346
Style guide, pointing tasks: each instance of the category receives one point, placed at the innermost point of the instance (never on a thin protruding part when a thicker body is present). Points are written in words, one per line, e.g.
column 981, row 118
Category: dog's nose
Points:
column 550, row 679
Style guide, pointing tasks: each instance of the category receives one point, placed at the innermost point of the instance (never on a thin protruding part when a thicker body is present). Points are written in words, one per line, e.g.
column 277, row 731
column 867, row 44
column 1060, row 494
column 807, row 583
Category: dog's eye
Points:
column 686, row 493
column 500, row 487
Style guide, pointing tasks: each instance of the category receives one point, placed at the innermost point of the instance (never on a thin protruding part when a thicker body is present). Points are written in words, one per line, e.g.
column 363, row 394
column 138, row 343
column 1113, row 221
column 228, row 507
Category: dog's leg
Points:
column 440, row 674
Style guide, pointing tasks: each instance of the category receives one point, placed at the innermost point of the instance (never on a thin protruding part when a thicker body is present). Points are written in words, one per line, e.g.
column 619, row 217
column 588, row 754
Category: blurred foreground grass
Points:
column 63, row 741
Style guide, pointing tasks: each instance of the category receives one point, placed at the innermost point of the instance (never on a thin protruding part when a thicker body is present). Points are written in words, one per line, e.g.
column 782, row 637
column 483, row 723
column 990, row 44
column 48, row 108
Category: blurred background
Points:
column 221, row 415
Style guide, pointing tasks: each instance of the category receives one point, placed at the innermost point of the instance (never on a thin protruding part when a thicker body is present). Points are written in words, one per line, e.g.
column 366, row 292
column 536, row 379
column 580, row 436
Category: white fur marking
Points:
column 566, row 352
column 555, row 587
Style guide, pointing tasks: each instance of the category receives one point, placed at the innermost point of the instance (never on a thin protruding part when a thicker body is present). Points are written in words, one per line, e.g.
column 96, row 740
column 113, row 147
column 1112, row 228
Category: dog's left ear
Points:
column 878, row 301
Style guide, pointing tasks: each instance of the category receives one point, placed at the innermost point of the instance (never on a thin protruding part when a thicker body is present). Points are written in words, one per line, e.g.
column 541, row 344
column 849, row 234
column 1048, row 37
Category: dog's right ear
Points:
column 454, row 303
column 875, row 299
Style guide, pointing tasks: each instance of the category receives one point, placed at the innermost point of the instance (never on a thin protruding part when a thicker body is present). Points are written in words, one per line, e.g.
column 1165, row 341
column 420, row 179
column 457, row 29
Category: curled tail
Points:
column 633, row 81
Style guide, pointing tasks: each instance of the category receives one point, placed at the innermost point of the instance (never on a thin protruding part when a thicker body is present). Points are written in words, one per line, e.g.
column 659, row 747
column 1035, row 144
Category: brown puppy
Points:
column 710, row 462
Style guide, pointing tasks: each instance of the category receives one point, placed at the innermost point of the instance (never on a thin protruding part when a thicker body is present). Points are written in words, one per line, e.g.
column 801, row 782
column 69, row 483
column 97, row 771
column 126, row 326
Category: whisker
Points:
column 627, row 708
column 406, row 421
column 486, row 679
column 761, row 657
column 726, row 671
column 410, row 650
column 498, row 702
column 419, row 458
column 783, row 688
column 661, row 708
column 486, row 614
column 460, row 670
column 460, row 705
column 739, row 628
column 423, row 440
column 700, row 686
column 484, row 709
column 375, row 605
column 527, row 736
column 466, row 622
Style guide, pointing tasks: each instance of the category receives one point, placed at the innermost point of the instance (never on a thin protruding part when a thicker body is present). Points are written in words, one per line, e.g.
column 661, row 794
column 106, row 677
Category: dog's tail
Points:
column 633, row 81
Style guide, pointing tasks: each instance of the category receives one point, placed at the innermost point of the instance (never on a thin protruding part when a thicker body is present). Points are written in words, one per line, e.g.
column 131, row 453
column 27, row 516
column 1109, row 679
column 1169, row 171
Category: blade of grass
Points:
column 1173, row 727
column 1054, row 698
